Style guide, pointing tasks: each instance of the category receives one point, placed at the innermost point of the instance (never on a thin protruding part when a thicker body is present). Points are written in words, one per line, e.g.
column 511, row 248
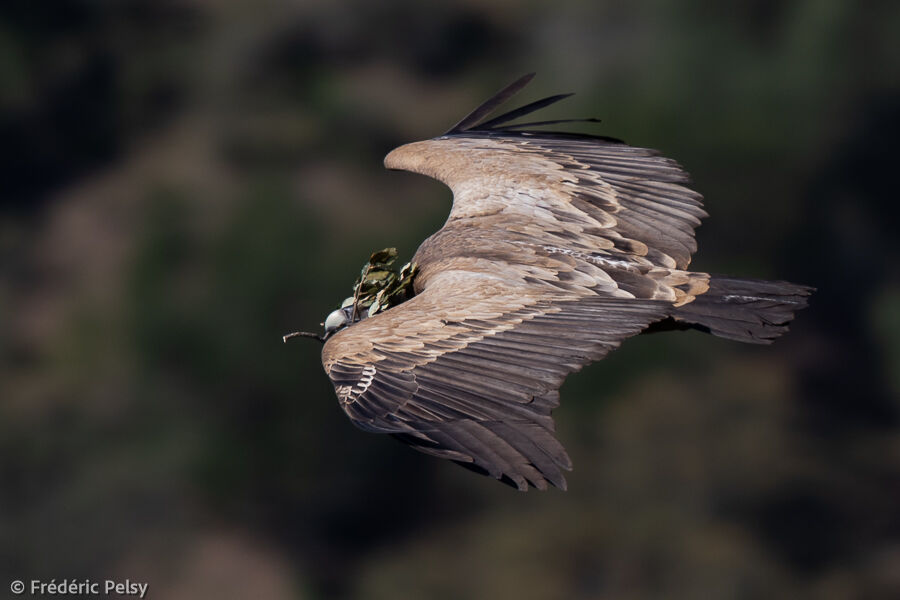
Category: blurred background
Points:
column 182, row 182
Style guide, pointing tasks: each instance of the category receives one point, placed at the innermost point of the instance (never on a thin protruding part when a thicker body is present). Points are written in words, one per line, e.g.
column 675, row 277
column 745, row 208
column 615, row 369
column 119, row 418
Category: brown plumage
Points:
column 557, row 248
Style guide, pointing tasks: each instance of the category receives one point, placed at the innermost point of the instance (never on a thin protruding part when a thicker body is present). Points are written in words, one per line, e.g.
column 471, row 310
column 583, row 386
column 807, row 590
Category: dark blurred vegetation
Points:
column 183, row 182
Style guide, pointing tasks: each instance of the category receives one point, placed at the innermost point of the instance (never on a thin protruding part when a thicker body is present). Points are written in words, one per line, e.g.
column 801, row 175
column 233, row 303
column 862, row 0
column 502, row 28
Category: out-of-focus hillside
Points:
column 183, row 182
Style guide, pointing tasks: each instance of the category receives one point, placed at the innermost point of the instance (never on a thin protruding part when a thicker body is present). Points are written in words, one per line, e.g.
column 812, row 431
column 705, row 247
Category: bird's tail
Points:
column 746, row 310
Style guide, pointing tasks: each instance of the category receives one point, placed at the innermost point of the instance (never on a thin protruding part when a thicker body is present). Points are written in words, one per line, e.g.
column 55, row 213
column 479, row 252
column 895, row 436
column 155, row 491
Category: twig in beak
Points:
column 362, row 280
column 303, row 334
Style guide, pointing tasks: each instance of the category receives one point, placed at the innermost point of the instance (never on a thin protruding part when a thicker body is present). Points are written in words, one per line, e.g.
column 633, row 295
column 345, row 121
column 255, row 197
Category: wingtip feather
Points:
column 489, row 105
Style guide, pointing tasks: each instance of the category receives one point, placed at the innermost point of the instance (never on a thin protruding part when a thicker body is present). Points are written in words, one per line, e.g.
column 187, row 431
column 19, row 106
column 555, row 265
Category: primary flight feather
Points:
column 558, row 247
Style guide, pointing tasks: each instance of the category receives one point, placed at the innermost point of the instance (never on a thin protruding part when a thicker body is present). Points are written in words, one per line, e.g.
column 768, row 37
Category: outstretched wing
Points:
column 580, row 192
column 470, row 370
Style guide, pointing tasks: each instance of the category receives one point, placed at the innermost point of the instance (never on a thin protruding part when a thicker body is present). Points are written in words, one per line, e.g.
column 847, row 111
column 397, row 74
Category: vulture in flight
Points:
column 558, row 247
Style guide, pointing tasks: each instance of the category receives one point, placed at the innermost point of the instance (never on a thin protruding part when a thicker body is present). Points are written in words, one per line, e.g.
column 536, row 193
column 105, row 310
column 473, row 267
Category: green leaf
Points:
column 374, row 276
column 379, row 287
column 383, row 257
column 407, row 270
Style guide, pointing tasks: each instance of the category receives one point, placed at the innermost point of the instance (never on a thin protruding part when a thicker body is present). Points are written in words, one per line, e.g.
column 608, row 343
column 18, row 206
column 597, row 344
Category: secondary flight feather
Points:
column 557, row 248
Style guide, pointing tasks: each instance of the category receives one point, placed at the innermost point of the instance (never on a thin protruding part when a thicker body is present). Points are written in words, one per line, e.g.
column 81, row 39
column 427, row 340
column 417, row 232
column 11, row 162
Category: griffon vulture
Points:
column 558, row 247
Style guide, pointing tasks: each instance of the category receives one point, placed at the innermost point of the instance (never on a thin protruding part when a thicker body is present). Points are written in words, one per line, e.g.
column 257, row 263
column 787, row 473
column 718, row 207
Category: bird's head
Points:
column 378, row 288
column 334, row 322
column 337, row 320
